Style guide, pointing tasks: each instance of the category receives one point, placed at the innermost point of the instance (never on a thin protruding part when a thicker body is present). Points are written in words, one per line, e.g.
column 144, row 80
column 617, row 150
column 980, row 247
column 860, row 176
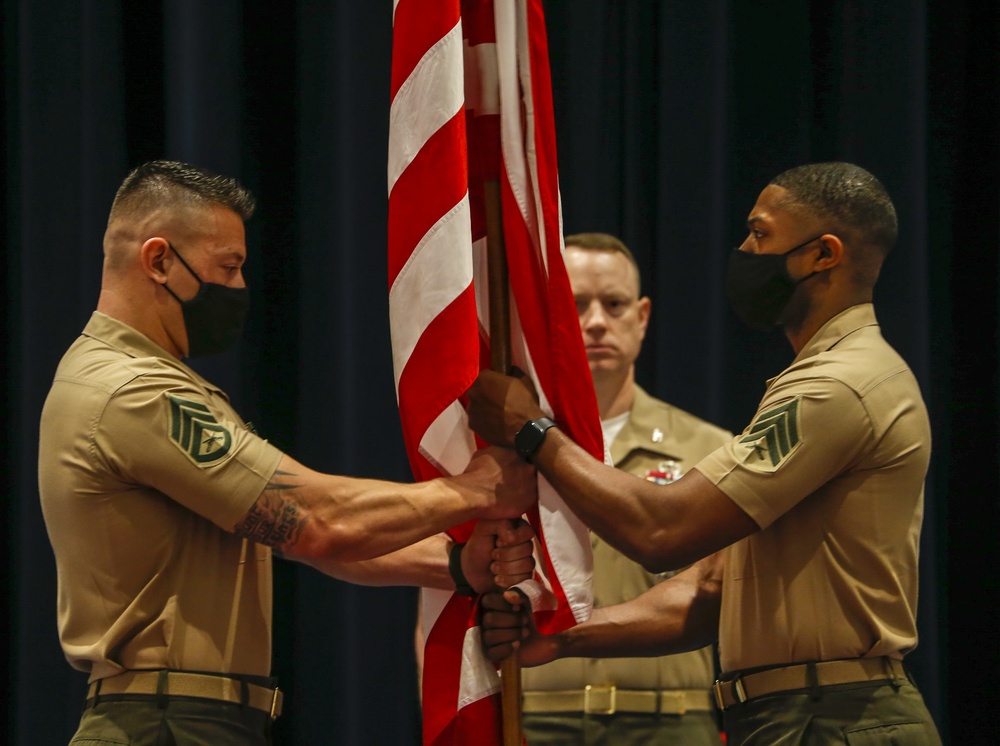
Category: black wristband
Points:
column 462, row 587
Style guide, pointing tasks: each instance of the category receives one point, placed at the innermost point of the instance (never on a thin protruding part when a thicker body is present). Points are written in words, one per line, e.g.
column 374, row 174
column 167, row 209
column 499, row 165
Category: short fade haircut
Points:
column 163, row 183
column 604, row 242
column 848, row 196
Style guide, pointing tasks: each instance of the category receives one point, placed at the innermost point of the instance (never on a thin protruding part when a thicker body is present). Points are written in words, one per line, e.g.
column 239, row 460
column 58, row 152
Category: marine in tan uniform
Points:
column 819, row 500
column 163, row 507
column 625, row 700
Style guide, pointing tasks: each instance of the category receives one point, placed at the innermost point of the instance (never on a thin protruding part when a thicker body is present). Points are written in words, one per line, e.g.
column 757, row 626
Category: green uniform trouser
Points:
column 176, row 721
column 864, row 714
column 620, row 729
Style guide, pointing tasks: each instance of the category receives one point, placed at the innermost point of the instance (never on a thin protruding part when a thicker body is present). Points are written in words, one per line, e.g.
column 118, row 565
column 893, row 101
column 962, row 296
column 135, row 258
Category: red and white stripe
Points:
column 471, row 100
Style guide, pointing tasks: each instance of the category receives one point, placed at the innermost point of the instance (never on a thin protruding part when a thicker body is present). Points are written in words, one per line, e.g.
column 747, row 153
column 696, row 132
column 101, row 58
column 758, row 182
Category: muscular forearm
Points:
column 321, row 518
column 497, row 554
column 357, row 520
column 422, row 564
column 677, row 615
column 662, row 527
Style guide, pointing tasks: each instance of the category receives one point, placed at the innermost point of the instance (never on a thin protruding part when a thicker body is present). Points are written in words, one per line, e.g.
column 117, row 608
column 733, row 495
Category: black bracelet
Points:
column 462, row 587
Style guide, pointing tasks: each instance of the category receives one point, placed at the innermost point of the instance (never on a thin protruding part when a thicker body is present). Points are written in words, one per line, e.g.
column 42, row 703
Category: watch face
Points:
column 530, row 437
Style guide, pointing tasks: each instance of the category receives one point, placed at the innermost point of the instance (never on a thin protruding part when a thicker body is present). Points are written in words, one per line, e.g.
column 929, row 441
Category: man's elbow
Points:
column 660, row 552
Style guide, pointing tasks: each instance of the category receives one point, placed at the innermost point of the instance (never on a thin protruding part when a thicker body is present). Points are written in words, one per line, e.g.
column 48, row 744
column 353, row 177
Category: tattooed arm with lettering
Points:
column 340, row 525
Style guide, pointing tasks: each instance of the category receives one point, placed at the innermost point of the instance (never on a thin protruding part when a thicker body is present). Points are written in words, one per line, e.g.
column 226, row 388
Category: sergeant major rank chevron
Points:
column 773, row 436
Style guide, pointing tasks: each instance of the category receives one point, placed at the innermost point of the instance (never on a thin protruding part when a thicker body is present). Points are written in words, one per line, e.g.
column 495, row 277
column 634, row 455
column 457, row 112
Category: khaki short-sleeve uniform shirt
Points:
column 659, row 442
column 832, row 469
column 144, row 470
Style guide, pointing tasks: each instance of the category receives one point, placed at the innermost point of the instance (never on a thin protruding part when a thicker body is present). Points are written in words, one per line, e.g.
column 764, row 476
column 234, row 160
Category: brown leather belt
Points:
column 744, row 687
column 607, row 700
column 184, row 684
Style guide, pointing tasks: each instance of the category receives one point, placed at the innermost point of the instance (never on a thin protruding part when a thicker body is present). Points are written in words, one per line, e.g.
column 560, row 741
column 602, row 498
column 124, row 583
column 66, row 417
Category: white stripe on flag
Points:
column 429, row 98
column 433, row 276
column 479, row 677
column 568, row 542
column 448, row 442
column 426, row 297
column 515, row 137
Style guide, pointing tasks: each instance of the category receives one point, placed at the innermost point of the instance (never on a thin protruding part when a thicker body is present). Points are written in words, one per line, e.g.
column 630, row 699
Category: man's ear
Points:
column 831, row 252
column 155, row 258
column 644, row 306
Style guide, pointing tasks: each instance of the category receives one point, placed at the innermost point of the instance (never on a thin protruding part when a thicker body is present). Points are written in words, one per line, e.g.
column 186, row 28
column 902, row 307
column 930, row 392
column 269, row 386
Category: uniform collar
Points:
column 836, row 329
column 123, row 337
column 133, row 343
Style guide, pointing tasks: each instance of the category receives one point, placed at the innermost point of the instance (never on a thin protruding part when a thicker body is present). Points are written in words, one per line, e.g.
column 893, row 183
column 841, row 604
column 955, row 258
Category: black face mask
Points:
column 214, row 317
column 759, row 286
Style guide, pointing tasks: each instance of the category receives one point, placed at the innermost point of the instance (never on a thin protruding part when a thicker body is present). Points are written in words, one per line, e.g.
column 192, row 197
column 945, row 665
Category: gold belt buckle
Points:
column 591, row 709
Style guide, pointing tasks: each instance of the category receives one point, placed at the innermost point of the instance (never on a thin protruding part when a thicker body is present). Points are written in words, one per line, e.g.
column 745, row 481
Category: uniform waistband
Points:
column 607, row 700
column 165, row 683
column 744, row 687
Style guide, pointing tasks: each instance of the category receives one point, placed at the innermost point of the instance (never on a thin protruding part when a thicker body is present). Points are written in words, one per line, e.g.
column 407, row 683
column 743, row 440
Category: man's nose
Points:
column 593, row 317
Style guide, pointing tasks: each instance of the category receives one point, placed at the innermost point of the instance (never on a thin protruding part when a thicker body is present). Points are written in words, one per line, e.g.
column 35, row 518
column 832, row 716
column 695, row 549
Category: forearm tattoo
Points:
column 276, row 519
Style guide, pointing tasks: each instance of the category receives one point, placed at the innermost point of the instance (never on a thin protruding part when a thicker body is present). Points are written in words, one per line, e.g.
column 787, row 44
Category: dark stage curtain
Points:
column 671, row 117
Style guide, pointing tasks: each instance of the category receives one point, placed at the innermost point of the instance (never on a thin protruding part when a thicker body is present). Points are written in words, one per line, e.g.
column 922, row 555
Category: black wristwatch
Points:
column 530, row 437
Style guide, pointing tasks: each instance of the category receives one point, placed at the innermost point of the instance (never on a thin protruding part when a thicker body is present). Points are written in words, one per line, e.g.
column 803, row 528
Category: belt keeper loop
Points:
column 97, row 692
column 161, row 689
column 887, row 665
column 276, row 701
column 812, row 680
column 244, row 694
column 739, row 691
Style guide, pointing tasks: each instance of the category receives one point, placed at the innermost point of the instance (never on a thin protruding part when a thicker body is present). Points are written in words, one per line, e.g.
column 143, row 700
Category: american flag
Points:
column 471, row 103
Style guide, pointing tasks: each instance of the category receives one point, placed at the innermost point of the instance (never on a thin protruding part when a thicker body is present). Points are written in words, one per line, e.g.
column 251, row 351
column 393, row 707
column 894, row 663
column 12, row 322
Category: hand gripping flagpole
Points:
column 500, row 360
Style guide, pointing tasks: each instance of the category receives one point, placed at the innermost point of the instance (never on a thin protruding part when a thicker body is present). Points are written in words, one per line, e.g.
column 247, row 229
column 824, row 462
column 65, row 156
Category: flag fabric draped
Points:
column 472, row 103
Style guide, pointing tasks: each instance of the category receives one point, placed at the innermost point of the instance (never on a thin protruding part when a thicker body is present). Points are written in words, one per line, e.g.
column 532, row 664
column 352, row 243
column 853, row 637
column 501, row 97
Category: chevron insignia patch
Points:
column 773, row 436
column 194, row 429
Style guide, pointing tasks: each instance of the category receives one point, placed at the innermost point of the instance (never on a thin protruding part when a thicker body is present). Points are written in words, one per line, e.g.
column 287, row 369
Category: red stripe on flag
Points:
column 543, row 296
column 475, row 723
column 571, row 397
column 454, row 330
column 413, row 207
column 442, row 658
column 453, row 346
column 422, row 23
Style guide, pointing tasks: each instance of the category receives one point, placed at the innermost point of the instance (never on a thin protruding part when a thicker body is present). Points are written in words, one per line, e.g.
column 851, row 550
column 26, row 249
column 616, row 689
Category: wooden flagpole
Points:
column 500, row 360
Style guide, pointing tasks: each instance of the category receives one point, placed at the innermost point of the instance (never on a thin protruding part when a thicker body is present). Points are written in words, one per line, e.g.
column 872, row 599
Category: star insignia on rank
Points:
column 194, row 429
